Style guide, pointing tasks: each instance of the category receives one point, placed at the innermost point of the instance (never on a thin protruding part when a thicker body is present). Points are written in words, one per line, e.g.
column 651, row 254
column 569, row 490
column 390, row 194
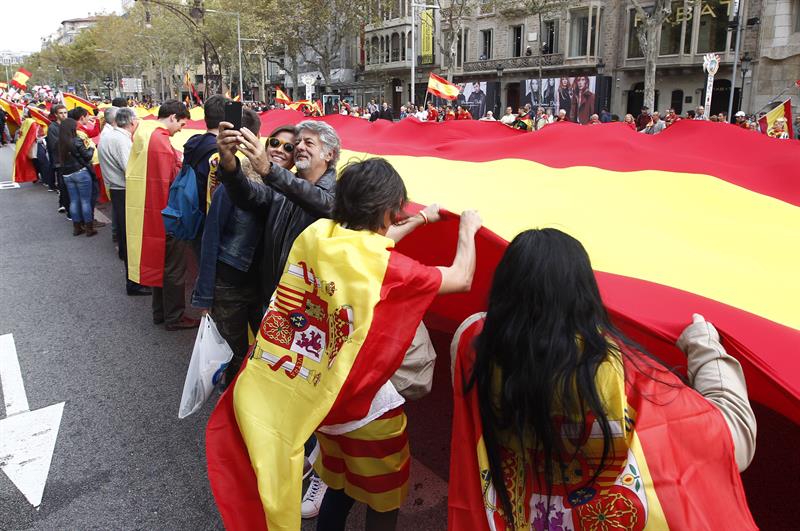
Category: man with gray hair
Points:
column 289, row 203
column 113, row 151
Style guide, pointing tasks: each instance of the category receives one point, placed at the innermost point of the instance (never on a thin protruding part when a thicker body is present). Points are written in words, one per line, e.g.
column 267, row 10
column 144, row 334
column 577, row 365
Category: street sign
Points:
column 27, row 438
column 131, row 84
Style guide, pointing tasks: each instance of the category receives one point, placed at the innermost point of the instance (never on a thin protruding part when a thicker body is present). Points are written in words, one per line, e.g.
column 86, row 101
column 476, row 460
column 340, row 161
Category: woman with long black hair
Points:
column 561, row 422
column 75, row 158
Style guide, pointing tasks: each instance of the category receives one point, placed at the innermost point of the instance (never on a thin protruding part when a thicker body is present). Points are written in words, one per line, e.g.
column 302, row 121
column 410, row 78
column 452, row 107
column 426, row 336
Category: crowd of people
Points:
column 546, row 332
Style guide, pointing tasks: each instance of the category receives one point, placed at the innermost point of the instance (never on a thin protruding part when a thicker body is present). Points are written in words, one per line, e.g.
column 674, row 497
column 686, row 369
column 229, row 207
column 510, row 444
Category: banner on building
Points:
column 575, row 95
column 426, row 40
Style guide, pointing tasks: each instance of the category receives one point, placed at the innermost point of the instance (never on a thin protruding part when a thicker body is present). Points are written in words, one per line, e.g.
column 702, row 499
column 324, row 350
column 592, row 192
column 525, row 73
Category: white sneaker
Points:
column 312, row 500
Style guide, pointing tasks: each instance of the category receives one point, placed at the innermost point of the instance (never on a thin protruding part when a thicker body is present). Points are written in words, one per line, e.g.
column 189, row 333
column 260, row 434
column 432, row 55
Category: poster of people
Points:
column 576, row 95
column 478, row 97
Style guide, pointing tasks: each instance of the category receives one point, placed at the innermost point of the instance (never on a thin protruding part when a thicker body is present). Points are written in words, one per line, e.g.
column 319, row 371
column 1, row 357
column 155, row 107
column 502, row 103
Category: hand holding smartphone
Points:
column 233, row 114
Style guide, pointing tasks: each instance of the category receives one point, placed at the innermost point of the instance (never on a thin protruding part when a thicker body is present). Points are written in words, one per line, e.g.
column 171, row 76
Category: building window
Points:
column 713, row 34
column 797, row 15
column 550, row 37
column 580, row 42
column 486, row 44
column 671, row 32
column 516, row 41
column 395, row 47
column 634, row 49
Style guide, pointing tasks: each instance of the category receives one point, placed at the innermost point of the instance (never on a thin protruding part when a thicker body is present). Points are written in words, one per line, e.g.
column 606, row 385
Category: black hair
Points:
column 365, row 191
column 77, row 113
column 283, row 129
column 250, row 120
column 214, row 110
column 546, row 333
column 119, row 102
column 170, row 107
column 67, row 132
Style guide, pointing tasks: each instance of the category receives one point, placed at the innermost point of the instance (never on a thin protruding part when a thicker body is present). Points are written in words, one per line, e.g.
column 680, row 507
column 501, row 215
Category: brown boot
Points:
column 89, row 229
column 77, row 228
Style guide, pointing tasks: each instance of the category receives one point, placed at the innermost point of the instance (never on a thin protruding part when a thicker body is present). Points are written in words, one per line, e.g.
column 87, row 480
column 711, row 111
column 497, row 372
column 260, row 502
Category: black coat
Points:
column 52, row 144
column 289, row 204
column 78, row 158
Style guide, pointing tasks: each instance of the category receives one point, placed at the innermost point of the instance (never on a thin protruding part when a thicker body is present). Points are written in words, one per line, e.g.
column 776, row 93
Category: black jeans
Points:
column 235, row 309
column 63, row 193
column 118, row 215
column 336, row 507
column 169, row 301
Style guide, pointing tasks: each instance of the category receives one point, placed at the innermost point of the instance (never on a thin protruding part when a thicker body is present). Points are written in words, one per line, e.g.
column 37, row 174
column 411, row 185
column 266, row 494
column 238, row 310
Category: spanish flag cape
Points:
column 338, row 327
column 671, row 466
column 152, row 166
column 24, row 170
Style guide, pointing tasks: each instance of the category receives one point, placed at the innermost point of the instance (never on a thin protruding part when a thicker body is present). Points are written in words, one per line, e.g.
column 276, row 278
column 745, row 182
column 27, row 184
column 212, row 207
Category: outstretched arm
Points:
column 718, row 377
column 429, row 214
column 458, row 277
column 245, row 194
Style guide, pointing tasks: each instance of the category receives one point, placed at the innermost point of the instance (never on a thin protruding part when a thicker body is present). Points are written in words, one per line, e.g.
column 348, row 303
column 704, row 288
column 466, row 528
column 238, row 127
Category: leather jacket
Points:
column 78, row 158
column 288, row 203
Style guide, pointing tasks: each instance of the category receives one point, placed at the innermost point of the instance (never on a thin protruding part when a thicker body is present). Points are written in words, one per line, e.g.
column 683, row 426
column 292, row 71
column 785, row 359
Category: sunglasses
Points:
column 275, row 142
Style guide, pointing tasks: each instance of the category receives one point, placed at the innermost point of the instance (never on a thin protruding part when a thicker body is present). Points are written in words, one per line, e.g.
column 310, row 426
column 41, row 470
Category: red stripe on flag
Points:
column 373, row 484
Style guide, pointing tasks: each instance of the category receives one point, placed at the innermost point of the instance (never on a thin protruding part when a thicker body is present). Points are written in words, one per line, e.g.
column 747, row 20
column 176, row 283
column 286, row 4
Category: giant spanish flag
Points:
column 671, row 463
column 700, row 218
column 24, row 170
column 152, row 166
column 342, row 318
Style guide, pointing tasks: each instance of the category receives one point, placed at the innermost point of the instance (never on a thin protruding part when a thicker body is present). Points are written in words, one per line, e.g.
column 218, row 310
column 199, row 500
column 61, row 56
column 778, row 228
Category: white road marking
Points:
column 8, row 185
column 27, row 438
column 99, row 216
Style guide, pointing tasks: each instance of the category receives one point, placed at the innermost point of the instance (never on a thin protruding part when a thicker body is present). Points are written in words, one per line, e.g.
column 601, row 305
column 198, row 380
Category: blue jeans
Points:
column 79, row 185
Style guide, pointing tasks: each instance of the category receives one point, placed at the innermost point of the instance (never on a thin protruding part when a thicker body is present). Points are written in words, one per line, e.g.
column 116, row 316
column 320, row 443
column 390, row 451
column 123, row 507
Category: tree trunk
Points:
column 650, row 56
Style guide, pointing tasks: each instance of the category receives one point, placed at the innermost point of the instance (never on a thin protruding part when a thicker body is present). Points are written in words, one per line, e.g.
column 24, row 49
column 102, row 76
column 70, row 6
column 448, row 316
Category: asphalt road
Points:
column 123, row 460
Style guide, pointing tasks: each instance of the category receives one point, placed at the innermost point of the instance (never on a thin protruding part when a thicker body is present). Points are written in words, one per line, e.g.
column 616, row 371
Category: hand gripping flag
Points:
column 152, row 166
column 20, row 79
column 439, row 86
column 638, row 488
column 24, row 170
column 341, row 320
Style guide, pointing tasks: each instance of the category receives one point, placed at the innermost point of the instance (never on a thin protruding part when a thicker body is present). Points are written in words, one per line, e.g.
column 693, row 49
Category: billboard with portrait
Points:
column 478, row 97
column 576, row 95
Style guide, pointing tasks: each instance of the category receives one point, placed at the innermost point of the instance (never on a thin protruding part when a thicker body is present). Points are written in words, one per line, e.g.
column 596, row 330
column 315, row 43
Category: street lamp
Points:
column 745, row 66
column 414, row 7
column 499, row 87
column 600, row 66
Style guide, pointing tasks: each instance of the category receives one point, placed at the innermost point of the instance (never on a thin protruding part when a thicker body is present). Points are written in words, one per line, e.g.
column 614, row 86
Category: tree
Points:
column 453, row 15
column 648, row 31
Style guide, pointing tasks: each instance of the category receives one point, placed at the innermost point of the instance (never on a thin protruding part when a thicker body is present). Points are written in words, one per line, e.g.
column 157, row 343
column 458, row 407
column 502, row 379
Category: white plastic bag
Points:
column 210, row 357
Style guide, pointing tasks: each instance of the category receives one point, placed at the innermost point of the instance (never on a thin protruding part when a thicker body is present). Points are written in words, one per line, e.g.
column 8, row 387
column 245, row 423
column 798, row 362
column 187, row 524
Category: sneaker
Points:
column 312, row 499
column 69, row 218
column 61, row 210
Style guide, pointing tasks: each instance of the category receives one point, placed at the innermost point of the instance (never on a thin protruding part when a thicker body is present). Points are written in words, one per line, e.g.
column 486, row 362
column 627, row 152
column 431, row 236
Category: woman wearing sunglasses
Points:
column 228, row 282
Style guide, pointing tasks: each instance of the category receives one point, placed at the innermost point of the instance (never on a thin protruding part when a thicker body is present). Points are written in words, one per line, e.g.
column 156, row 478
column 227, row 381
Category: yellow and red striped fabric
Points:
column 152, row 166
column 13, row 110
column 73, row 100
column 40, row 115
column 23, row 170
column 281, row 97
column 345, row 313
column 662, row 432
column 439, row 86
column 20, row 79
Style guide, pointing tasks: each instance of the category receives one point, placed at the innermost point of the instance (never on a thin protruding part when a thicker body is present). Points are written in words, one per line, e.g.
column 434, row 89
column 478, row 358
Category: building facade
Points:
column 511, row 57
column 68, row 31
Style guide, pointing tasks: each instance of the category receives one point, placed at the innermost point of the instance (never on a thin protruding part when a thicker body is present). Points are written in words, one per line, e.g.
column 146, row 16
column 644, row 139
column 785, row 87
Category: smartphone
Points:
column 233, row 113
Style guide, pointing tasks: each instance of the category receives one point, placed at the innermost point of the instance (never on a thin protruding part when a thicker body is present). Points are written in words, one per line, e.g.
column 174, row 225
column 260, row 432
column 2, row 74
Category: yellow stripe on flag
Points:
column 135, row 186
column 693, row 232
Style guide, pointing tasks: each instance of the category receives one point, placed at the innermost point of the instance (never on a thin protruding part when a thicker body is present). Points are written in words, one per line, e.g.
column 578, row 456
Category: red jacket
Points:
column 433, row 115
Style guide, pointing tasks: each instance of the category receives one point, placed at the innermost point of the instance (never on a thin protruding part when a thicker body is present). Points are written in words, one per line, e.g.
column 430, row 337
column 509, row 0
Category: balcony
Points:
column 515, row 63
column 402, row 64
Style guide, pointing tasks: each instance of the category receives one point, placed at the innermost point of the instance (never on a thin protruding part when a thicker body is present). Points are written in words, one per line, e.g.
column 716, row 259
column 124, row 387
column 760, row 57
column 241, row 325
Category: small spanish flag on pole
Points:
column 73, row 100
column 438, row 86
column 20, row 79
column 281, row 97
column 782, row 111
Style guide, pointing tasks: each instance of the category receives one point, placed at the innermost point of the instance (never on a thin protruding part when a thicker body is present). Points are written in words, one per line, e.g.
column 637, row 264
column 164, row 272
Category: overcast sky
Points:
column 23, row 32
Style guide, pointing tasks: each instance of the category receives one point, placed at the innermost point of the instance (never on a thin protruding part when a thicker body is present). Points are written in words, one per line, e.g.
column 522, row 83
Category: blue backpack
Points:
column 183, row 216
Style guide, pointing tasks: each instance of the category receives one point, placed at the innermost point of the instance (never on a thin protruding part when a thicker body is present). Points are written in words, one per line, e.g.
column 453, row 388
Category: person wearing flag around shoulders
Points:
column 778, row 129
column 624, row 432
